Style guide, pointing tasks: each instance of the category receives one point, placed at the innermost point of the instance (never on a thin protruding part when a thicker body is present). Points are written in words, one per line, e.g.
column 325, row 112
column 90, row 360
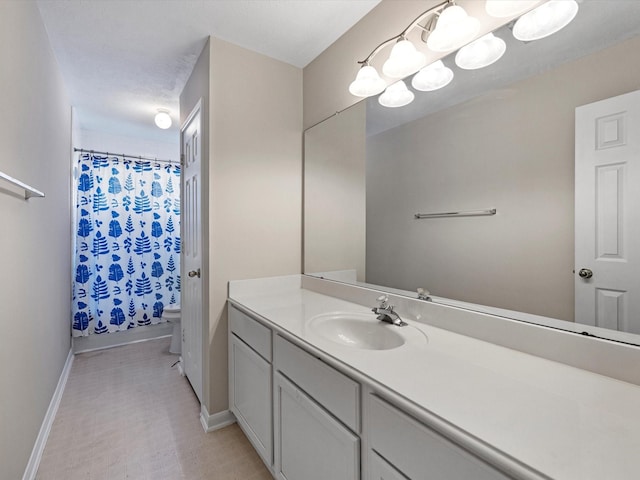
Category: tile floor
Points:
column 126, row 414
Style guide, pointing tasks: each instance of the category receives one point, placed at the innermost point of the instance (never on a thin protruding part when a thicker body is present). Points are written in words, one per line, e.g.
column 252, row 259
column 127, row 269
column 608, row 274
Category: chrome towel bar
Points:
column 468, row 213
column 28, row 190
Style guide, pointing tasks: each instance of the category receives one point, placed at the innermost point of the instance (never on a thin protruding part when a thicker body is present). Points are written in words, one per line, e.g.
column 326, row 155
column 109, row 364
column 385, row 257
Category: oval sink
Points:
column 357, row 330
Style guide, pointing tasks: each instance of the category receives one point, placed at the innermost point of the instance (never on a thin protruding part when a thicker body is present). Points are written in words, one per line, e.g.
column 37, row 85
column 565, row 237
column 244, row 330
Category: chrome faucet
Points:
column 385, row 312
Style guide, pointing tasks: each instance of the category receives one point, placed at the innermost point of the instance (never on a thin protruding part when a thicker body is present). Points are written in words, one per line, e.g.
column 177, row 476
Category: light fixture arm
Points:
column 377, row 49
column 436, row 10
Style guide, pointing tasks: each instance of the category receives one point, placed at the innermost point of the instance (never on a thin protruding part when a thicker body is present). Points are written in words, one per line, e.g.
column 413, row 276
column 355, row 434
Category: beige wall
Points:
column 254, row 192
column 35, row 133
column 513, row 151
column 256, row 182
column 334, row 194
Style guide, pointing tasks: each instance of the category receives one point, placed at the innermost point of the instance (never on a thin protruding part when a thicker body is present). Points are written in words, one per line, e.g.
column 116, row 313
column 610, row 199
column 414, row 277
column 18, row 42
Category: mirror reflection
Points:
column 501, row 138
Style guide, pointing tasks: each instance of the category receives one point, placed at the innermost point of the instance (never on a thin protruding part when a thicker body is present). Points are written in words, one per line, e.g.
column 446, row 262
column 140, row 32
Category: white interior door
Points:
column 607, row 213
column 191, row 297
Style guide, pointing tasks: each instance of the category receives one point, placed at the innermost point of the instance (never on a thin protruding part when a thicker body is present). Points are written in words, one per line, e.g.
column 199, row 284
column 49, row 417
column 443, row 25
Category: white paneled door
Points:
column 191, row 296
column 607, row 213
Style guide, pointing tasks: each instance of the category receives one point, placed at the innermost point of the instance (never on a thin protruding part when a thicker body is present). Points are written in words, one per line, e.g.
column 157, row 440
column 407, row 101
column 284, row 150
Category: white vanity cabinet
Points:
column 309, row 421
column 250, row 380
column 410, row 449
column 437, row 406
column 313, row 405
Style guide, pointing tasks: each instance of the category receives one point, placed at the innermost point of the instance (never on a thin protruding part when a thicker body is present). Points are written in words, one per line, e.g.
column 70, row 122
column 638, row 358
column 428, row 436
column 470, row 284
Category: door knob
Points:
column 585, row 273
column 194, row 273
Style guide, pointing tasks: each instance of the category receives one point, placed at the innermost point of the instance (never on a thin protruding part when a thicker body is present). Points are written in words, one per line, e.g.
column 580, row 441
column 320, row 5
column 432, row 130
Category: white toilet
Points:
column 171, row 314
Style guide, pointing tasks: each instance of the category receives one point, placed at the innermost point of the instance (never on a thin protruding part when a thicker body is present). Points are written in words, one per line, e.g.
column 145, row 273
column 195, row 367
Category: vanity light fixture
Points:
column 163, row 119
column 404, row 60
column 432, row 77
column 481, row 52
column 446, row 27
column 396, row 95
column 545, row 20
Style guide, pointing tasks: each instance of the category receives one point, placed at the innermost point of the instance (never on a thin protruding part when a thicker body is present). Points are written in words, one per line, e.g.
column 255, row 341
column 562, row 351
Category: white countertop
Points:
column 561, row 421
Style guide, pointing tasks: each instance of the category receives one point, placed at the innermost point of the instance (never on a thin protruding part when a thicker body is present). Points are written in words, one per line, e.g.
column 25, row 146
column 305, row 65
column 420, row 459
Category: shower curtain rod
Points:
column 134, row 157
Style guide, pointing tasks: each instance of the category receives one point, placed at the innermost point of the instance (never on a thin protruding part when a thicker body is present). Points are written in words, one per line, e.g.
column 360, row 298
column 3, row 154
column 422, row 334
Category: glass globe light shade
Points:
column 453, row 29
column 396, row 95
column 432, row 77
column 163, row 119
column 367, row 83
column 481, row 52
column 508, row 8
column 545, row 20
column 403, row 60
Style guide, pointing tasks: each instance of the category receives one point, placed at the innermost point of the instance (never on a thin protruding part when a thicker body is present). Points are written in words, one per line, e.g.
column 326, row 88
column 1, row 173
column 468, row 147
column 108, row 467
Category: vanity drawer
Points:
column 336, row 392
column 417, row 451
column 252, row 332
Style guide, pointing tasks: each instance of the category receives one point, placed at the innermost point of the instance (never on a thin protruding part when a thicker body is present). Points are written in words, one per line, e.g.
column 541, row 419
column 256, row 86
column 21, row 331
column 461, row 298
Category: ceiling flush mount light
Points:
column 396, row 95
column 545, row 20
column 481, row 52
column 508, row 8
column 163, row 119
column 404, row 60
column 432, row 77
column 453, row 29
column 367, row 83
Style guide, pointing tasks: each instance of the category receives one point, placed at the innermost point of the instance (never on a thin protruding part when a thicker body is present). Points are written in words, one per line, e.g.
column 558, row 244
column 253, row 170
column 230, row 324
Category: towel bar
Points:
column 469, row 213
column 28, row 190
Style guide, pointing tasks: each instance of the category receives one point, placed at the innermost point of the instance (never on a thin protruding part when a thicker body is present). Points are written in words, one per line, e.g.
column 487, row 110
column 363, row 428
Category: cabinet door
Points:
column 250, row 396
column 381, row 470
column 310, row 443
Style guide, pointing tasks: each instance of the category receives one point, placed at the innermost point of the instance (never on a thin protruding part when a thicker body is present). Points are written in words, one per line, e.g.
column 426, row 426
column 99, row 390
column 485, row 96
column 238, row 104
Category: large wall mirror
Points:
column 499, row 138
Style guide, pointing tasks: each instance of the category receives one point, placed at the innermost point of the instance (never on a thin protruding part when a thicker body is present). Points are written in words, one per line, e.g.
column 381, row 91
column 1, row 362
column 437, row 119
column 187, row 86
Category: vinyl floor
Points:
column 126, row 413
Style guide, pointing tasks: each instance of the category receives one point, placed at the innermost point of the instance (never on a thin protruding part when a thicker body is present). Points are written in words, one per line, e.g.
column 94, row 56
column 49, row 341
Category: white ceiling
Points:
column 123, row 59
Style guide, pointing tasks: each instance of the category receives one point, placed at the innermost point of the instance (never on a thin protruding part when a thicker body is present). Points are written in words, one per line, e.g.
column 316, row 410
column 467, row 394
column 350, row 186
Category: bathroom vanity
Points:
column 323, row 390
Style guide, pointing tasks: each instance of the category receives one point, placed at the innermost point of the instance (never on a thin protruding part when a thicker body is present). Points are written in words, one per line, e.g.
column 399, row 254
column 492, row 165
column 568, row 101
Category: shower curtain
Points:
column 127, row 243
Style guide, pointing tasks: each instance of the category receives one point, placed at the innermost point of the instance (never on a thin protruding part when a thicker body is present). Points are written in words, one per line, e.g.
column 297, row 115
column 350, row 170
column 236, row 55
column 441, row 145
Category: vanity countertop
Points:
column 558, row 420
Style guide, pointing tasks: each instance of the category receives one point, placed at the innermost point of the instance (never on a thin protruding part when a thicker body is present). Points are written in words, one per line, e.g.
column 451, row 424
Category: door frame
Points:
column 586, row 256
column 198, row 108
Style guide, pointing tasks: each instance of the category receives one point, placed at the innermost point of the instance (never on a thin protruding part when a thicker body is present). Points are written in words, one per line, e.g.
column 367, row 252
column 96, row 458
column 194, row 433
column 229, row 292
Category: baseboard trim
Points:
column 180, row 366
column 117, row 339
column 216, row 421
column 45, row 428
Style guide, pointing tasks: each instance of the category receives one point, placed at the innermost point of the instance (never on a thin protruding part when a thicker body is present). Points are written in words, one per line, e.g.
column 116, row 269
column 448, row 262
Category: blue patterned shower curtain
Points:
column 127, row 243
